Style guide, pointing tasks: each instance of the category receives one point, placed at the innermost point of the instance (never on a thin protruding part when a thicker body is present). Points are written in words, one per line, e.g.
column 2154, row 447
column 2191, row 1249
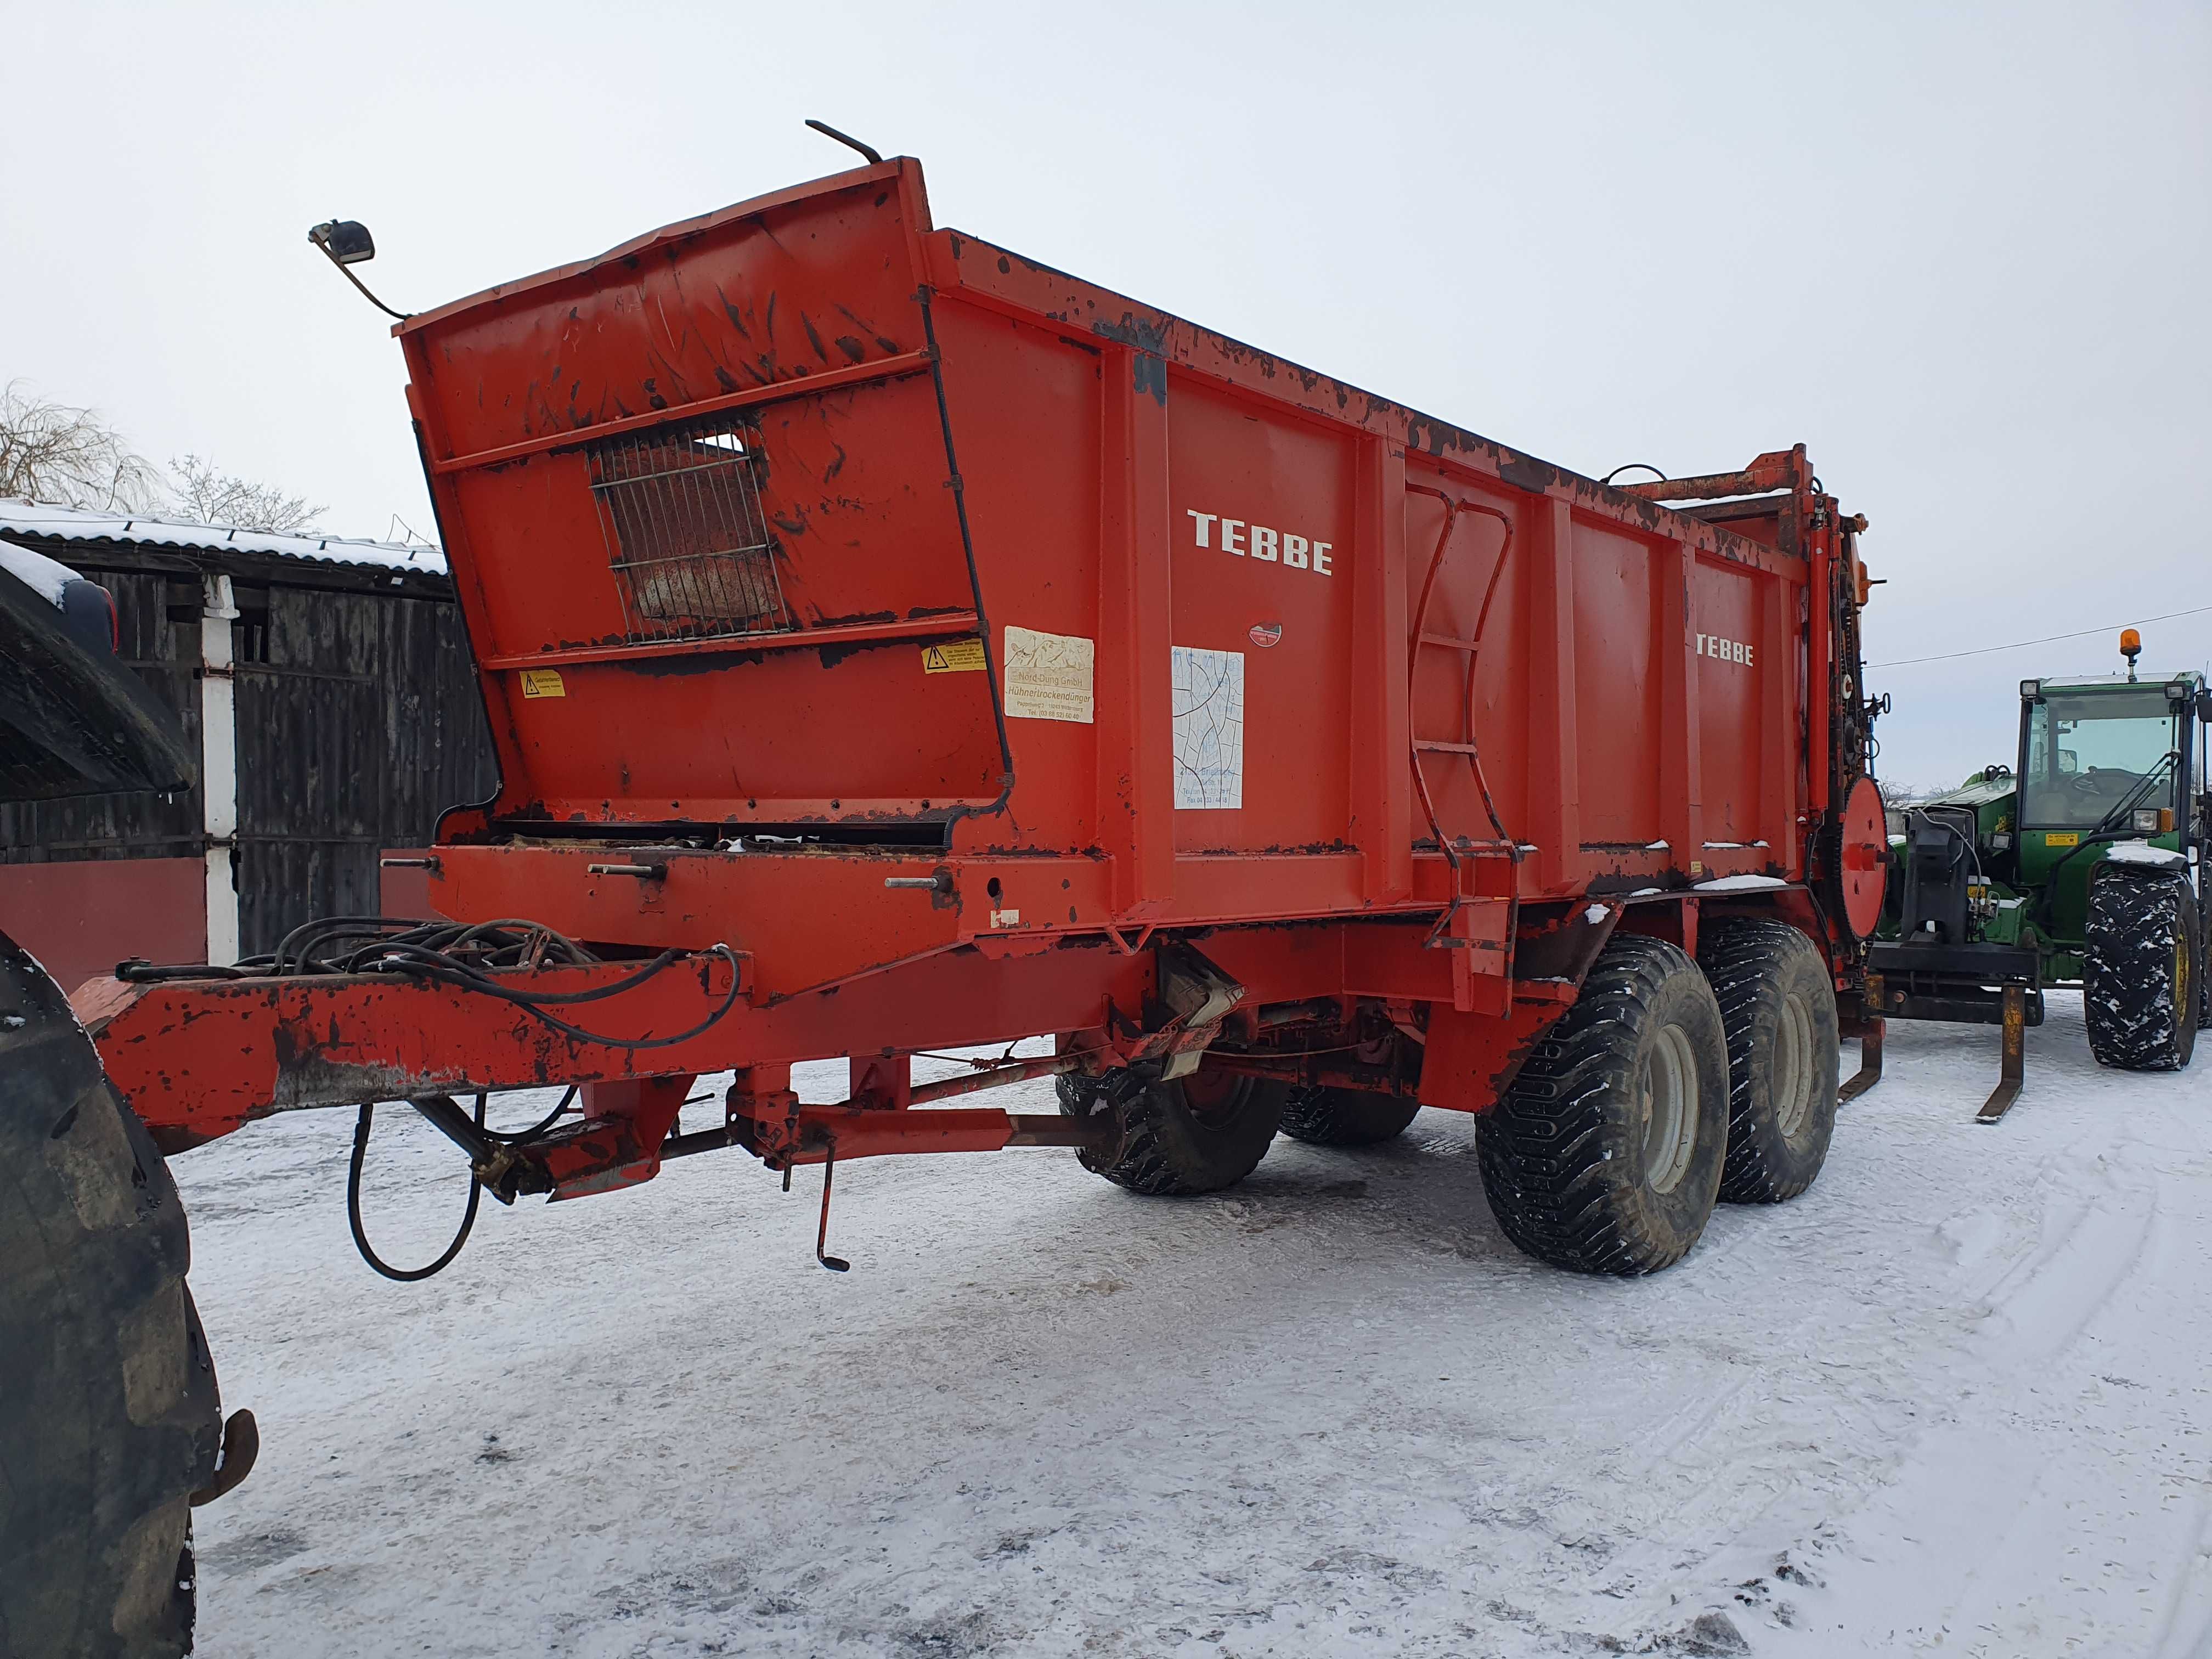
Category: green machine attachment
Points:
column 2081, row 863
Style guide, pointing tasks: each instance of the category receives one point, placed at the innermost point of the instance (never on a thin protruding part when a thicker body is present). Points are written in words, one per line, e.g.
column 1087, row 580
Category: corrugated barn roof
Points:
column 26, row 520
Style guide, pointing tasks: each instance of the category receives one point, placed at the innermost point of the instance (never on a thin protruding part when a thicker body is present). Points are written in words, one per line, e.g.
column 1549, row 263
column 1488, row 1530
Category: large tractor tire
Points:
column 1196, row 1134
column 1777, row 1006
column 1604, row 1155
column 1346, row 1117
column 2204, row 969
column 2144, row 976
column 109, row 1419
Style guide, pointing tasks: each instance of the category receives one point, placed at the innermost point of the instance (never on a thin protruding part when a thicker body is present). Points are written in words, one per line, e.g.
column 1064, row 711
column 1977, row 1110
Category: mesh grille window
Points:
column 692, row 555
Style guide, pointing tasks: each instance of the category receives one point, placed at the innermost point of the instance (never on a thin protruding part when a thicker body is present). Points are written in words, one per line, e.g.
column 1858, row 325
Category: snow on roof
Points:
column 23, row 518
column 45, row 577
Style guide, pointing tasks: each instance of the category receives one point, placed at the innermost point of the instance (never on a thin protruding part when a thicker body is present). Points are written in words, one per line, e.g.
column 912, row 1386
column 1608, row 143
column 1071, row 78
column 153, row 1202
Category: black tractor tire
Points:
column 2204, row 963
column 1194, row 1134
column 2144, row 972
column 1323, row 1116
column 1604, row 1155
column 1778, row 1004
column 109, row 1419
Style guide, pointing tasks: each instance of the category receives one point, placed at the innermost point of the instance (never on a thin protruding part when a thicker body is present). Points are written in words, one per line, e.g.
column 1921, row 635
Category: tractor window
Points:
column 2090, row 753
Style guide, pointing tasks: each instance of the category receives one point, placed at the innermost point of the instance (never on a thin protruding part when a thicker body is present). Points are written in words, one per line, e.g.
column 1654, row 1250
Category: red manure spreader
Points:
column 892, row 644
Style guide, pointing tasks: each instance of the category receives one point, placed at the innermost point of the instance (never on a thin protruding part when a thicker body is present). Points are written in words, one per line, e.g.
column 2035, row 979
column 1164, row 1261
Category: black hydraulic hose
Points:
column 515, row 1136
column 467, row 956
column 434, row 951
column 519, row 942
column 448, row 973
column 293, row 946
column 404, row 1275
column 138, row 971
column 408, row 958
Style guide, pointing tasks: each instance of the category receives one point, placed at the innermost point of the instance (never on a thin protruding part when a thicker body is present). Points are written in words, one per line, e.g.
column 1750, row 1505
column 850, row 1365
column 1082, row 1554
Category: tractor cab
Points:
column 2103, row 764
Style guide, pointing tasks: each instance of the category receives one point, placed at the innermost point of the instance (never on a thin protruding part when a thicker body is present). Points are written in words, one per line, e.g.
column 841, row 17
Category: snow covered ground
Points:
column 1951, row 1400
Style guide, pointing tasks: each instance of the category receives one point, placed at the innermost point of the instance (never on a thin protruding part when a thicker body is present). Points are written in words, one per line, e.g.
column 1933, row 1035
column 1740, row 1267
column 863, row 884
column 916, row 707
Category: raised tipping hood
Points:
column 696, row 496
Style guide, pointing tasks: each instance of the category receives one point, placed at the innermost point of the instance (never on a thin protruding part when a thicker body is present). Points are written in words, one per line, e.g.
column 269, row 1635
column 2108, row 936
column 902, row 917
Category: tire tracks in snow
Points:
column 2055, row 1504
column 2042, row 1304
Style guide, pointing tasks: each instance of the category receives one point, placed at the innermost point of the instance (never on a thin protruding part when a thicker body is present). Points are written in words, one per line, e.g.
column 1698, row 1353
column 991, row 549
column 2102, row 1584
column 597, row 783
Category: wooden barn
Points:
column 327, row 685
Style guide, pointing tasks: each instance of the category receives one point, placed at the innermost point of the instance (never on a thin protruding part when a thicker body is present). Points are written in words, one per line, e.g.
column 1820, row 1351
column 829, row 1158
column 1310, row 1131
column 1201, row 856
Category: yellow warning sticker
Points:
column 953, row 657
column 543, row 683
column 2062, row 838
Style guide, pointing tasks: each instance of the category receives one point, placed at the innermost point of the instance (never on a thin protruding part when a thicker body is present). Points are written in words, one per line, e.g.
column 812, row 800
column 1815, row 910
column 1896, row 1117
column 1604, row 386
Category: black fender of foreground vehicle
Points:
column 110, row 1428
column 112, row 1420
column 73, row 721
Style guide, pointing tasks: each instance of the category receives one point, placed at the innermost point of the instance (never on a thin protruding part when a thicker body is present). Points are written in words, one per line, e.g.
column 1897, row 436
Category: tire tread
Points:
column 1157, row 1149
column 2128, row 980
column 1743, row 958
column 111, row 1418
column 1541, row 1147
column 1329, row 1116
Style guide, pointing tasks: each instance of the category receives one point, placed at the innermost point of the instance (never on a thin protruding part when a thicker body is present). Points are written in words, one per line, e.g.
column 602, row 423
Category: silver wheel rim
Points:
column 1793, row 1067
column 1668, row 1098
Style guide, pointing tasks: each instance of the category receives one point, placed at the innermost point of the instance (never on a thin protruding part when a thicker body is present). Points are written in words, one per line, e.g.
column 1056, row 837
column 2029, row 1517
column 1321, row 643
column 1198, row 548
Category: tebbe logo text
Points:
column 1713, row 644
column 1262, row 541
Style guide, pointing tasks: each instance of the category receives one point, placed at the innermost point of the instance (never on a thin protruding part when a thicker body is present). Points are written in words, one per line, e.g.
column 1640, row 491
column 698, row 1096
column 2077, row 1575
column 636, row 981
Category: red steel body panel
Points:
column 1028, row 540
column 1638, row 703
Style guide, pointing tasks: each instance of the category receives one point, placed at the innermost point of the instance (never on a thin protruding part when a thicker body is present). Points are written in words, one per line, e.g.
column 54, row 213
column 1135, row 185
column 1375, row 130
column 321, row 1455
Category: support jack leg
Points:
column 2015, row 1053
column 1869, row 1071
column 835, row 1264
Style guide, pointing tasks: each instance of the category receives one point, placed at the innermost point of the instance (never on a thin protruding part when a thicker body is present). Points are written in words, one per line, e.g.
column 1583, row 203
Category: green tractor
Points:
column 2080, row 864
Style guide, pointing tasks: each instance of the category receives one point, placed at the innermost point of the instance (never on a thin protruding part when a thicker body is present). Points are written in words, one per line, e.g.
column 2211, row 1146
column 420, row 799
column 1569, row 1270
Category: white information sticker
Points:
column 1049, row 676
column 1209, row 728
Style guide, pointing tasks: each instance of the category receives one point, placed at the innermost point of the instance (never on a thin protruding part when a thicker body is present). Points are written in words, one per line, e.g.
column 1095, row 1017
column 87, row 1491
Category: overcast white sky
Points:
column 1961, row 252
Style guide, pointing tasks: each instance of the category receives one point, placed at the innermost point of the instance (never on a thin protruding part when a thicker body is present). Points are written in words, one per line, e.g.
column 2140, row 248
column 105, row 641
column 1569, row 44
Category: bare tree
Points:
column 208, row 496
column 50, row 451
